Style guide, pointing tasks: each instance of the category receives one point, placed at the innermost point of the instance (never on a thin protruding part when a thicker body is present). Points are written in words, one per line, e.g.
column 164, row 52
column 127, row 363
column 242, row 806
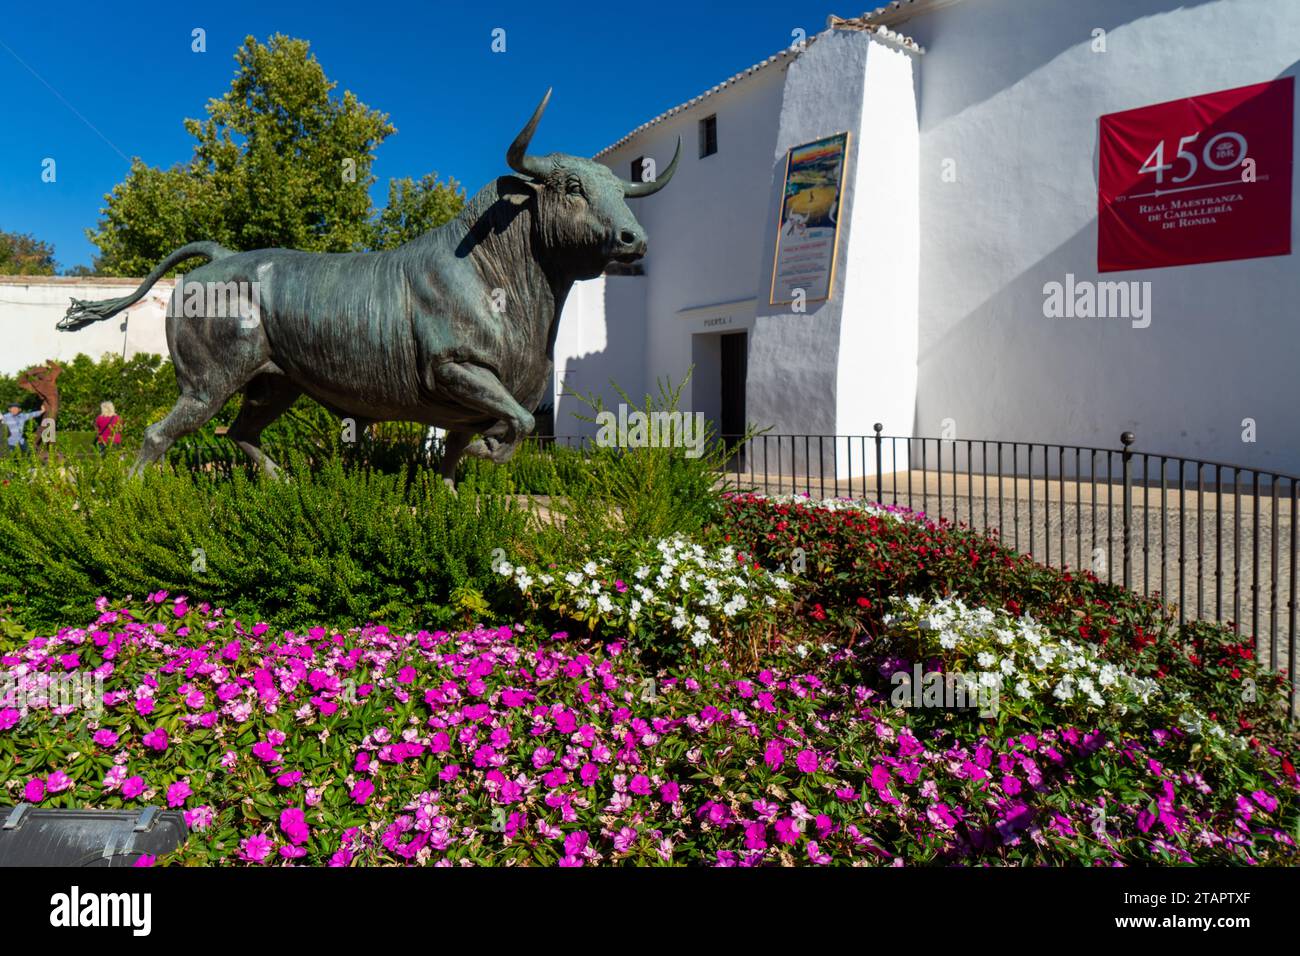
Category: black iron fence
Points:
column 1214, row 541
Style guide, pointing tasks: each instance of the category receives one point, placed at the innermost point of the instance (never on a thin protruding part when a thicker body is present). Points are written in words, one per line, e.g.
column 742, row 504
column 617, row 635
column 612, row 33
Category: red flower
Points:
column 864, row 602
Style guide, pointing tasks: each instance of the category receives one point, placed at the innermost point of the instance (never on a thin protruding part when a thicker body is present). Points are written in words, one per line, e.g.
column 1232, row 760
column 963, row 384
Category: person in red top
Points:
column 109, row 427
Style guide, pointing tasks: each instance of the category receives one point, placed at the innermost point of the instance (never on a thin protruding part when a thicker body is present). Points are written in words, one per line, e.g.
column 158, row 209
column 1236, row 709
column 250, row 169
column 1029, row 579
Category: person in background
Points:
column 15, row 419
column 109, row 427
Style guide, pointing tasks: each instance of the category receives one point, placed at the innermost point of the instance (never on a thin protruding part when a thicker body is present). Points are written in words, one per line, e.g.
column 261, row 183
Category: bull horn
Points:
column 637, row 190
column 517, row 155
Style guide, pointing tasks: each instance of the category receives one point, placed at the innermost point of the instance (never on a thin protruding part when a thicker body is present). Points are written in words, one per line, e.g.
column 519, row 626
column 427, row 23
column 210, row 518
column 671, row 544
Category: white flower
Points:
column 801, row 650
column 589, row 568
column 574, row 578
column 985, row 659
column 604, row 604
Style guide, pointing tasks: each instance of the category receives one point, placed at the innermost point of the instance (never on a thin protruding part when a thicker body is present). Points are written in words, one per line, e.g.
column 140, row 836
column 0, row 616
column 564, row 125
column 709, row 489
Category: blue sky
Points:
column 129, row 72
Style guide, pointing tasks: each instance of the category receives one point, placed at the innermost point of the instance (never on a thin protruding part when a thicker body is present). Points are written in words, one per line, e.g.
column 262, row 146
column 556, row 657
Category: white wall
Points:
column 1011, row 91
column 30, row 306
column 705, row 230
column 601, row 339
column 851, row 360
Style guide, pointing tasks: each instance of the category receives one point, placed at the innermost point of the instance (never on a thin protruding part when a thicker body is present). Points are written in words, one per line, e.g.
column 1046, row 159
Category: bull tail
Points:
column 81, row 313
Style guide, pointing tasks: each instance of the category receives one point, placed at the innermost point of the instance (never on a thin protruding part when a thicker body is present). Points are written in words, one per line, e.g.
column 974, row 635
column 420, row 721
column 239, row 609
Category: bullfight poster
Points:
column 808, row 226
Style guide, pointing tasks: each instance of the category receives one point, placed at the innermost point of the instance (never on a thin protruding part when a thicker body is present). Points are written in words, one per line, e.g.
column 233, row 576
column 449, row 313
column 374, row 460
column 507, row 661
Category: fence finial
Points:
column 1127, row 438
column 878, row 427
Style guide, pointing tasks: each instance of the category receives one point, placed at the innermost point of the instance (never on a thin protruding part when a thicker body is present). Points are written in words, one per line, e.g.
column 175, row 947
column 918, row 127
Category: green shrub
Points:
column 319, row 545
column 639, row 492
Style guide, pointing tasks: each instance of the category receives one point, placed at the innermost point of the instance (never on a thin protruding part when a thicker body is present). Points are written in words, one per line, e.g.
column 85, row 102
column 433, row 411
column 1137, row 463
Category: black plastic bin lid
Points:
column 35, row 836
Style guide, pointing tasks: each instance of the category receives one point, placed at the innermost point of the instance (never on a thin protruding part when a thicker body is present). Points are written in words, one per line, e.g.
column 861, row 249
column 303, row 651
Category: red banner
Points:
column 1203, row 179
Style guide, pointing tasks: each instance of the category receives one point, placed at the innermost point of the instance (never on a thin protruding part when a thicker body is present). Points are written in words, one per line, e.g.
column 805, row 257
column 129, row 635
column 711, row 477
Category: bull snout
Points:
column 629, row 245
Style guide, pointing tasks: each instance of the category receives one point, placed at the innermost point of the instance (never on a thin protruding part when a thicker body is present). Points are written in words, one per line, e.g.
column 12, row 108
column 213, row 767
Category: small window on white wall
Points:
column 708, row 136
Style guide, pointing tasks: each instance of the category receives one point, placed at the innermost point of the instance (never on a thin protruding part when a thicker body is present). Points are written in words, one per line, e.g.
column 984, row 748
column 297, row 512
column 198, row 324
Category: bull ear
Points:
column 637, row 190
column 517, row 155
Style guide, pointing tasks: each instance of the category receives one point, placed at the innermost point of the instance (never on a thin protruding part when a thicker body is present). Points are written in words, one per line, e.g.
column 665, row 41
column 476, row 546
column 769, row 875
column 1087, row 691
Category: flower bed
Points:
column 504, row 745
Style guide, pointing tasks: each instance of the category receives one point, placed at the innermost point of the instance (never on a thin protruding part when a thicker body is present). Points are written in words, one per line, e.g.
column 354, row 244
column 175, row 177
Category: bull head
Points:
column 581, row 208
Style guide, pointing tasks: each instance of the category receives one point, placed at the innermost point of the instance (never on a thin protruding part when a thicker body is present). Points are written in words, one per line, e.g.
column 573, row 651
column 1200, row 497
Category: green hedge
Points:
column 319, row 546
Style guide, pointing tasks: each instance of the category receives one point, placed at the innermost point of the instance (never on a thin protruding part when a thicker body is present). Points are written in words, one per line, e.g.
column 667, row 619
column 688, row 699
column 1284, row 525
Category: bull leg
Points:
column 476, row 387
column 189, row 414
column 453, row 446
column 493, row 449
column 266, row 398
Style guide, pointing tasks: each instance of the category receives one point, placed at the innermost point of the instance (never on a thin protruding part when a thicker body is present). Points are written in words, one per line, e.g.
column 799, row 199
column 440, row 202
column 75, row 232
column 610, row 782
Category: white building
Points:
column 31, row 306
column 970, row 186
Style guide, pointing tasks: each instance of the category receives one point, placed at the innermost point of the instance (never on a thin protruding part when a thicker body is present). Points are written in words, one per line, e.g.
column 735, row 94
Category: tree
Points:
column 25, row 255
column 278, row 161
column 414, row 207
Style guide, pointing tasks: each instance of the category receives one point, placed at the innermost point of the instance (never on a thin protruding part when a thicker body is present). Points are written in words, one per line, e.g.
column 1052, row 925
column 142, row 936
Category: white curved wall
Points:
column 1012, row 91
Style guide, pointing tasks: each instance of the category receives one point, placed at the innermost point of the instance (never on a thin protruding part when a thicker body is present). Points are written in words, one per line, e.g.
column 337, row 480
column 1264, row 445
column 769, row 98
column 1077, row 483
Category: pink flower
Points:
column 289, row 779
column 265, row 751
column 200, row 818
column 113, row 779
column 669, row 792
column 575, row 842
column 774, row 755
column 34, row 792
column 58, row 782
column 8, row 717
column 589, row 774
column 362, row 791
column 624, row 839
column 816, row 855
column 132, row 787
column 1266, row 802
column 156, row 739
column 106, row 739
column 941, row 816
column 341, row 858
column 542, row 756
column 806, row 761
column 406, row 675
column 294, row 824
column 145, row 859
column 254, row 849
column 786, row 830
column 144, row 706
column 755, row 836
column 178, row 793
column 640, row 784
